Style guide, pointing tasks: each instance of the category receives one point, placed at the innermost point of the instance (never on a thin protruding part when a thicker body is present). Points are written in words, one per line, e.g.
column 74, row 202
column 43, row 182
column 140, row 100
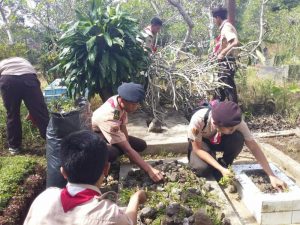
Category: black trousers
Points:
column 14, row 89
column 227, row 68
column 231, row 145
column 114, row 151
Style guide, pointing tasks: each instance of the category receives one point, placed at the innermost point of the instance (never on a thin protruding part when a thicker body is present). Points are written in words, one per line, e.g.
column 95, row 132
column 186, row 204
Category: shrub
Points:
column 100, row 51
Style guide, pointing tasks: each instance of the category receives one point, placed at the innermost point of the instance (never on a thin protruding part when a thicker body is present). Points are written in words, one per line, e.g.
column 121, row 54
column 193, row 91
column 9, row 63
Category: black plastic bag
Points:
column 60, row 125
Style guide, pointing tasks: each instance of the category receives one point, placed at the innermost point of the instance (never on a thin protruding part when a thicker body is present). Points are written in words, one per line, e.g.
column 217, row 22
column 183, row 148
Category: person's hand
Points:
column 277, row 183
column 220, row 56
column 141, row 196
column 226, row 172
column 155, row 174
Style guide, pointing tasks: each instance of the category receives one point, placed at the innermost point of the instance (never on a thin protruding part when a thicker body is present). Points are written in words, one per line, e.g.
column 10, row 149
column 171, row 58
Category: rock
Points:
column 173, row 209
column 160, row 188
column 173, row 177
column 176, row 191
column 167, row 221
column 201, row 218
column 155, row 126
column 207, row 187
column 148, row 221
column 226, row 221
column 187, row 211
column 181, row 180
column 148, row 212
column 160, row 206
column 177, row 220
column 232, row 188
column 192, row 190
column 191, row 219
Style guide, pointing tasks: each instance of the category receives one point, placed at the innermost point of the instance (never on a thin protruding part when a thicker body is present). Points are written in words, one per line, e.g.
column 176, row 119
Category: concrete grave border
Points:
column 278, row 208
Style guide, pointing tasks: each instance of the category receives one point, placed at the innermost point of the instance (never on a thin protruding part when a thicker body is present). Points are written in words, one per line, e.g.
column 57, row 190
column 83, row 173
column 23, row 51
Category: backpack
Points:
column 191, row 112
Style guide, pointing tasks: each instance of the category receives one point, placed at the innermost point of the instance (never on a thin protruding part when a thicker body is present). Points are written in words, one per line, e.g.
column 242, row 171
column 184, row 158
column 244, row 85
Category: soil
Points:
column 111, row 182
column 289, row 145
column 261, row 180
column 176, row 200
column 267, row 123
column 18, row 206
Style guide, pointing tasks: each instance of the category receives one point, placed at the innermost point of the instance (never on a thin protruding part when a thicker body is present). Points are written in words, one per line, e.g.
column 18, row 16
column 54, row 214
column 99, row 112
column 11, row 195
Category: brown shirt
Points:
column 228, row 33
column 196, row 131
column 47, row 210
column 16, row 66
column 108, row 119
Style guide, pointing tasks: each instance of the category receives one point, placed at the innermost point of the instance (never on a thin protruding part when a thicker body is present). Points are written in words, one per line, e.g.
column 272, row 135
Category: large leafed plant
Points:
column 100, row 51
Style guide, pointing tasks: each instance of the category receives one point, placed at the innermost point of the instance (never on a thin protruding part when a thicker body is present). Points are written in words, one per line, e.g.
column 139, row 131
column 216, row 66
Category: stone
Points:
column 232, row 188
column 148, row 212
column 148, row 221
column 201, row 218
column 226, row 221
column 191, row 219
column 167, row 221
column 173, row 209
column 155, row 126
column 160, row 206
column 187, row 211
column 173, row 177
column 207, row 187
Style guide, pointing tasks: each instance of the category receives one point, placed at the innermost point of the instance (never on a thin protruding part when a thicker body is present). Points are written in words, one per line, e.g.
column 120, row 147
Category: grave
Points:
column 268, row 208
column 163, row 196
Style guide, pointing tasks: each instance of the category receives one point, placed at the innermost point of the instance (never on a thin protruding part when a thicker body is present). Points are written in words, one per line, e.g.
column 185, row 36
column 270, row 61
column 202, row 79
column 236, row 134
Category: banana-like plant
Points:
column 100, row 51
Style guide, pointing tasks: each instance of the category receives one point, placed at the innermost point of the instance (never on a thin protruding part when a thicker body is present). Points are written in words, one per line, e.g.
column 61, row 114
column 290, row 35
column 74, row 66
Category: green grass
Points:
column 254, row 90
column 13, row 170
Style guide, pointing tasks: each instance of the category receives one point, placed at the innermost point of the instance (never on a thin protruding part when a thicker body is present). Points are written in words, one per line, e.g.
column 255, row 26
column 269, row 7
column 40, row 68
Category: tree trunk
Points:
column 231, row 7
column 6, row 27
column 188, row 21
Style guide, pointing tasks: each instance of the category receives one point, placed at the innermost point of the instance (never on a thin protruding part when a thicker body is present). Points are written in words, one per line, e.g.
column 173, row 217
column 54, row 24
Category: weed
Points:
column 12, row 172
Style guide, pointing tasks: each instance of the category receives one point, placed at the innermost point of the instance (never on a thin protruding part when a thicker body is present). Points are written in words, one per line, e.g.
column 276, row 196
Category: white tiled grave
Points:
column 269, row 208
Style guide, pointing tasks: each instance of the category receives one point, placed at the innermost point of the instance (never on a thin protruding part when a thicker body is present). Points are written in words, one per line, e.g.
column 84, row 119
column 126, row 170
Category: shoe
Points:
column 14, row 151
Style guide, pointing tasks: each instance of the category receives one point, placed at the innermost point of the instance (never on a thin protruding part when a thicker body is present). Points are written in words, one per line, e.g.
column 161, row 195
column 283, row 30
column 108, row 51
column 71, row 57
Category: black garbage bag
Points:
column 60, row 125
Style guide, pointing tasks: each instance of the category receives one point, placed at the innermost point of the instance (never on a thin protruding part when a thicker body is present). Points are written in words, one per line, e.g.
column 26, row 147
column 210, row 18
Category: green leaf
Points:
column 90, row 43
column 113, row 76
column 118, row 41
column 108, row 39
column 113, row 64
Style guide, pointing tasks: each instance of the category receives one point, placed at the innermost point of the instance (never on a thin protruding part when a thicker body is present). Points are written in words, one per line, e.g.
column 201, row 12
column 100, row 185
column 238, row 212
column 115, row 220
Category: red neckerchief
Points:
column 69, row 202
column 216, row 139
column 217, row 44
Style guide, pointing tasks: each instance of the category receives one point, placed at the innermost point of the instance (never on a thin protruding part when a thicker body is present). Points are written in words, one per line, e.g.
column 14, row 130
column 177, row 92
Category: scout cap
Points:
column 226, row 114
column 132, row 92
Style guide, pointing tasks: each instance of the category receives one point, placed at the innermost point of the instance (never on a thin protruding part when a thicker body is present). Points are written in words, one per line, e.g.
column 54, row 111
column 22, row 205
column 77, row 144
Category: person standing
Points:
column 150, row 33
column 18, row 81
column 224, row 52
column 110, row 120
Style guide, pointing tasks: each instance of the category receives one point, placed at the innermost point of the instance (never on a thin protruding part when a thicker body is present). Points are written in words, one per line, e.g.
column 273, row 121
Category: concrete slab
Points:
column 174, row 137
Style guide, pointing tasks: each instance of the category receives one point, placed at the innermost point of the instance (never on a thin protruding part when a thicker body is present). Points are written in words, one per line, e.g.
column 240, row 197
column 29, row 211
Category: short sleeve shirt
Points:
column 196, row 131
column 108, row 119
column 47, row 210
column 228, row 33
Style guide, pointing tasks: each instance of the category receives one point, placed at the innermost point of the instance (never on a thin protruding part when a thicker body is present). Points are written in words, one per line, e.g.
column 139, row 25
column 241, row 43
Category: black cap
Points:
column 226, row 114
column 131, row 92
